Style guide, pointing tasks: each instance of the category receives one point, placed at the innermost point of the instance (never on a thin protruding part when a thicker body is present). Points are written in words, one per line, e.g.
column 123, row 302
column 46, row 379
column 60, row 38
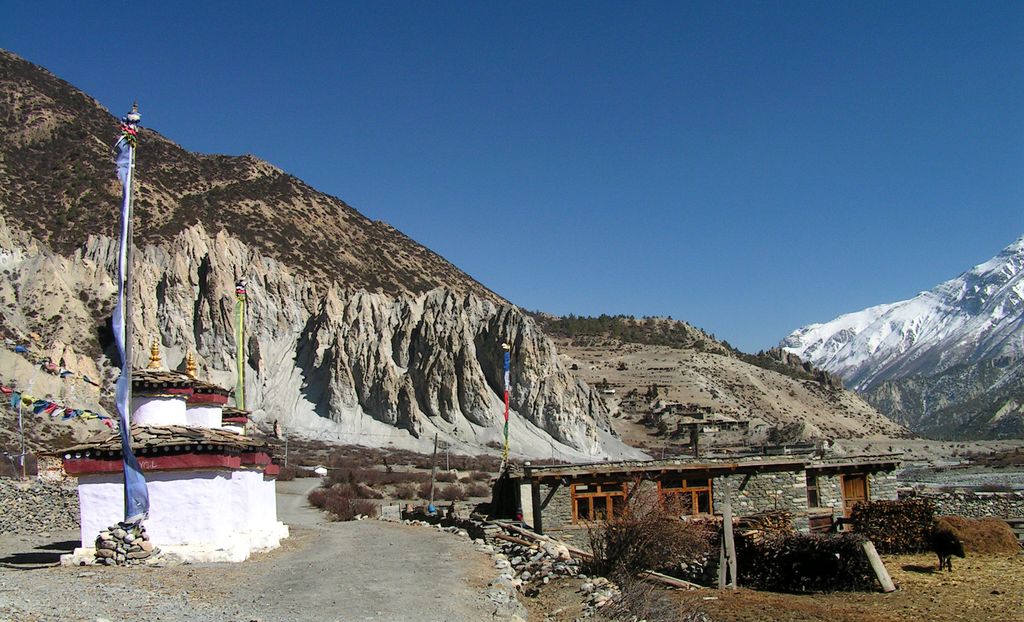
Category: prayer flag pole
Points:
column 136, row 495
column 508, row 387
column 240, row 296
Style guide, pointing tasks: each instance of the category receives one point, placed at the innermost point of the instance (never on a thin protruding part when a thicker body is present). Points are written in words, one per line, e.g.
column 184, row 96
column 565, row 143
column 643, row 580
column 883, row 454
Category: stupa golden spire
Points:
column 154, row 355
column 190, row 365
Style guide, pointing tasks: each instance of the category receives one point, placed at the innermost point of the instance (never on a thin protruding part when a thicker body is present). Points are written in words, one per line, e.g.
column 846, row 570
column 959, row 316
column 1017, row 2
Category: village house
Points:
column 817, row 491
column 212, row 488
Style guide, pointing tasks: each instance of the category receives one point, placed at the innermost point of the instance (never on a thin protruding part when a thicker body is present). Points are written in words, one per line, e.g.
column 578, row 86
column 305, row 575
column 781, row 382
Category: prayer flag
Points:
column 136, row 495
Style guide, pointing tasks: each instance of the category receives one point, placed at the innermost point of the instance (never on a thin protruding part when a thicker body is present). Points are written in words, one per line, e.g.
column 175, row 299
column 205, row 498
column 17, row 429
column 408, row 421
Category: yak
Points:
column 946, row 544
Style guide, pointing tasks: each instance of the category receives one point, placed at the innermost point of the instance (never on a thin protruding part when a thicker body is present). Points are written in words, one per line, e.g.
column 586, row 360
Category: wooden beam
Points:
column 538, row 511
column 551, row 493
column 876, row 564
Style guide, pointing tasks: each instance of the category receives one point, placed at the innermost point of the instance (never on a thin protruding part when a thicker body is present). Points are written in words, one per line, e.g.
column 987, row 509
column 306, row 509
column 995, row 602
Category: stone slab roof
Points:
column 737, row 465
column 170, row 439
column 158, row 379
column 208, row 388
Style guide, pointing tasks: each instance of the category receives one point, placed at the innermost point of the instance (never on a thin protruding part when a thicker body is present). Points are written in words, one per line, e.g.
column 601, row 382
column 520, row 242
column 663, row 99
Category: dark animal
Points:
column 946, row 544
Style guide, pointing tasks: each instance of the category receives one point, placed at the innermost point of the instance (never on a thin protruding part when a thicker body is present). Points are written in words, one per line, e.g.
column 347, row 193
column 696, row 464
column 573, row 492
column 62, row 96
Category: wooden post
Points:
column 727, row 552
column 876, row 564
column 538, row 511
column 433, row 474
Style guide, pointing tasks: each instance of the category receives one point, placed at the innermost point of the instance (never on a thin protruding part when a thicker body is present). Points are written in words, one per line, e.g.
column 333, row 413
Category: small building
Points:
column 212, row 490
column 816, row 491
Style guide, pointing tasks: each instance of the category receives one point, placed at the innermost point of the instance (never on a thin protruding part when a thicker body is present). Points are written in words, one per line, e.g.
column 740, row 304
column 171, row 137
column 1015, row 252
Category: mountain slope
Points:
column 355, row 332
column 921, row 359
column 57, row 168
column 782, row 397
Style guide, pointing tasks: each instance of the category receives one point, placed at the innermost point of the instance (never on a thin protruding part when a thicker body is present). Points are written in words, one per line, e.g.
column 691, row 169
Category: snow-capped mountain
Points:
column 976, row 318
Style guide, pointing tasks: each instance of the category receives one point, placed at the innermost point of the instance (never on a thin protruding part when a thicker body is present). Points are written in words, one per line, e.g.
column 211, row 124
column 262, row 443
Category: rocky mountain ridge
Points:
column 945, row 362
column 356, row 332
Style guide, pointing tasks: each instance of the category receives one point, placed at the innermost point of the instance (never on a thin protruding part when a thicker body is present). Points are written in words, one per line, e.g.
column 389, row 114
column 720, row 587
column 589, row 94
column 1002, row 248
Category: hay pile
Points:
column 988, row 536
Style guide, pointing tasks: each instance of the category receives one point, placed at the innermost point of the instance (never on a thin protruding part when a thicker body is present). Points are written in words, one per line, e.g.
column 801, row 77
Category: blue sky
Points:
column 749, row 167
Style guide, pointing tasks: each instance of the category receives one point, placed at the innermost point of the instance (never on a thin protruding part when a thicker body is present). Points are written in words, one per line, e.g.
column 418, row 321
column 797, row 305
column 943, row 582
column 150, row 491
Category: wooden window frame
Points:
column 665, row 492
column 605, row 492
column 813, row 490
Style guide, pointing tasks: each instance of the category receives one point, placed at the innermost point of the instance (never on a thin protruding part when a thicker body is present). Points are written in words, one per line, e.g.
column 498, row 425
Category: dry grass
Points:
column 982, row 588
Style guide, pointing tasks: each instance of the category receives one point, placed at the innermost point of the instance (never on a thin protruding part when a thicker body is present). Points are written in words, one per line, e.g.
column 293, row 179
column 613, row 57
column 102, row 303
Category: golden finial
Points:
column 154, row 355
column 190, row 366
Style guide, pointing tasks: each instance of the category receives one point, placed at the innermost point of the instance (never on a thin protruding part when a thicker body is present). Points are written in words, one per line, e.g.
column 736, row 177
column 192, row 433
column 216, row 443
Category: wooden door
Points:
column 855, row 490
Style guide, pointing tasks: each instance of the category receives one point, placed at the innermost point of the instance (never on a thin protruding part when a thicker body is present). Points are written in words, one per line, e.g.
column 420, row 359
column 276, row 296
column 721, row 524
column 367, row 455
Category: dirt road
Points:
column 365, row 570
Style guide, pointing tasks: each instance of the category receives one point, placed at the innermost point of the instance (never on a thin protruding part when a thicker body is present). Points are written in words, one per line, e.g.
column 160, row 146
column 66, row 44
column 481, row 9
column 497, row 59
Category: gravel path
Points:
column 364, row 570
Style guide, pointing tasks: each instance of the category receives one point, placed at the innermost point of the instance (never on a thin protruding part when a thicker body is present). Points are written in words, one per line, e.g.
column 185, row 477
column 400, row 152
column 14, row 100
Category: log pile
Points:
column 895, row 526
column 797, row 562
column 764, row 524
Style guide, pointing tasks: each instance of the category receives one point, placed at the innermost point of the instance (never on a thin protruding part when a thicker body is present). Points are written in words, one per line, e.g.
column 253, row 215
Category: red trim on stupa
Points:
column 85, row 466
column 256, row 457
column 207, row 399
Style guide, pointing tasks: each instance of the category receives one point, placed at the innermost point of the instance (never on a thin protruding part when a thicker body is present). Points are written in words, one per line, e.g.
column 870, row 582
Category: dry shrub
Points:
column 342, row 501
column 478, row 490
column 648, row 536
column 641, row 600
column 480, row 476
column 286, row 474
column 405, row 491
column 451, row 492
column 317, row 497
column 982, row 535
column 447, row 476
column 343, row 508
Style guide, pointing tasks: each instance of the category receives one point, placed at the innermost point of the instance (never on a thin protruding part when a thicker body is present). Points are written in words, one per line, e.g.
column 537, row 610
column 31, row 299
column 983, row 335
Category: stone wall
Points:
column 33, row 506
column 762, row 491
column 973, row 504
column 558, row 513
column 882, row 487
column 830, row 493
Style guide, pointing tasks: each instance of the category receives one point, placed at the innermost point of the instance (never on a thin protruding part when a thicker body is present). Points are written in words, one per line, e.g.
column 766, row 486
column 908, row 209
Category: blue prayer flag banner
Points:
column 136, row 495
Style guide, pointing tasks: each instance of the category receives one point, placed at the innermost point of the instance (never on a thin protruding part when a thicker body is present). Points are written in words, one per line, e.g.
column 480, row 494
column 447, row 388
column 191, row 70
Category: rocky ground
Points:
column 363, row 570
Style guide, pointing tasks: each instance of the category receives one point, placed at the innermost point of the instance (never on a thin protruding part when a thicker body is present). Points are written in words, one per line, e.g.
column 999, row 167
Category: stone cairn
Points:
column 124, row 544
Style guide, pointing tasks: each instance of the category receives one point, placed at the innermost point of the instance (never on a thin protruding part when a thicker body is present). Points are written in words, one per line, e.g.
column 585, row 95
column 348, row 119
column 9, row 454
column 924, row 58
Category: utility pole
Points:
column 433, row 474
column 447, row 463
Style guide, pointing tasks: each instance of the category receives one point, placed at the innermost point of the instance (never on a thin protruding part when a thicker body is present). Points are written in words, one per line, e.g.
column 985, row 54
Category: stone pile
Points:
column 537, row 564
column 35, row 506
column 599, row 592
column 124, row 544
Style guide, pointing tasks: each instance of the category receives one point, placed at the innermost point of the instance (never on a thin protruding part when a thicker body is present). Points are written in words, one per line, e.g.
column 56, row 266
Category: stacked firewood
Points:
column 796, row 562
column 895, row 526
column 757, row 527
